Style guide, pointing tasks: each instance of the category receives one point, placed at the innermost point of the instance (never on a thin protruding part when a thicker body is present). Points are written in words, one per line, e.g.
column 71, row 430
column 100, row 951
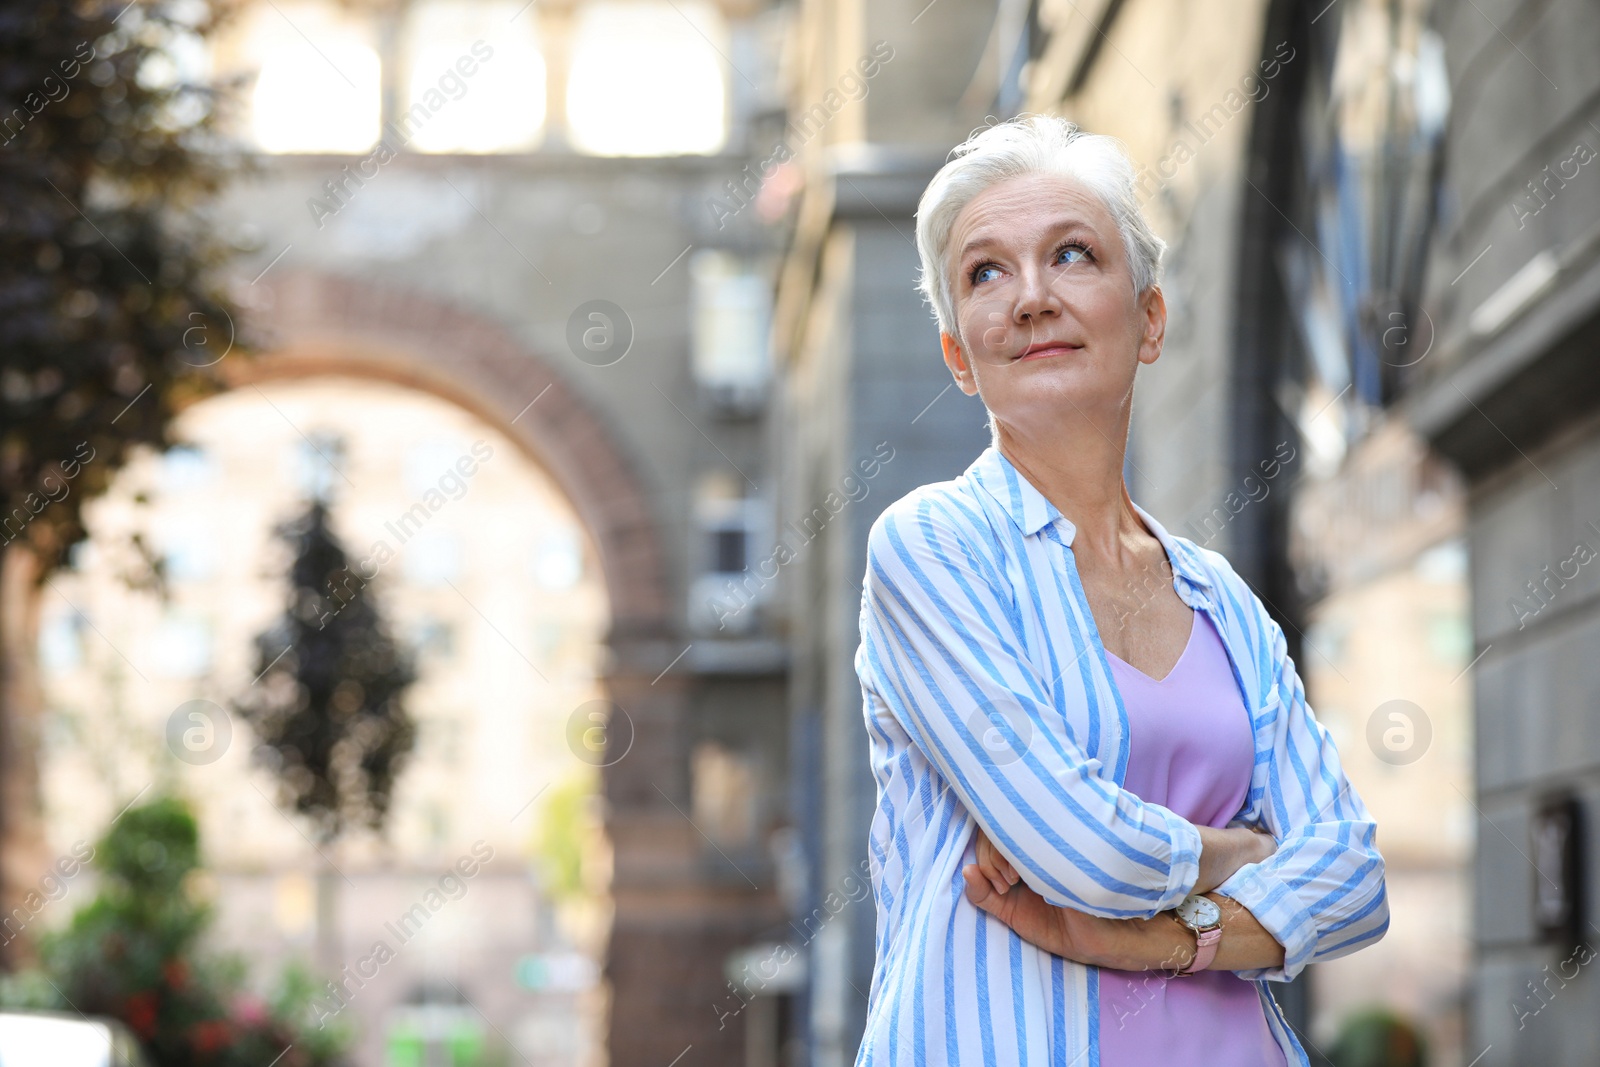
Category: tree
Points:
column 327, row 706
column 134, row 953
column 109, row 319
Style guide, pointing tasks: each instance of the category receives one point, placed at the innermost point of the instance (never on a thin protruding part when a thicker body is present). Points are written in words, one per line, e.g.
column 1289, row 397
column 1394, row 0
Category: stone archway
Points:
column 327, row 324
column 312, row 324
column 669, row 930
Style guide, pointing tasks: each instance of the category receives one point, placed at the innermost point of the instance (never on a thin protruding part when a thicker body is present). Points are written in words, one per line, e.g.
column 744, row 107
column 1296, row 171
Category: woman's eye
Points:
column 978, row 273
column 1075, row 254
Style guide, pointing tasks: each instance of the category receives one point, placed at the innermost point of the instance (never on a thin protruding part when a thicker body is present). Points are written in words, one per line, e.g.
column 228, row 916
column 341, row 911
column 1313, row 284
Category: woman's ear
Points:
column 1153, row 317
column 956, row 360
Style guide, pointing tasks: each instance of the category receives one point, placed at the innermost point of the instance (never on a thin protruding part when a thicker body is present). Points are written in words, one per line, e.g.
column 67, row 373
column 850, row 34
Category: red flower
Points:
column 139, row 1011
column 210, row 1035
column 249, row 1010
column 176, row 972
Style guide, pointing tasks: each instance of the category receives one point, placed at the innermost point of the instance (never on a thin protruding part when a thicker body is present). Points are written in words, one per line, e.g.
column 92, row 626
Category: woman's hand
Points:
column 1124, row 944
column 994, row 867
column 1064, row 932
column 994, row 886
column 1223, row 852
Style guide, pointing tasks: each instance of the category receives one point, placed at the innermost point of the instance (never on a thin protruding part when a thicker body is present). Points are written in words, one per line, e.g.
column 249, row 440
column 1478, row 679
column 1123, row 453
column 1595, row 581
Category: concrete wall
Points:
column 862, row 380
column 1511, row 397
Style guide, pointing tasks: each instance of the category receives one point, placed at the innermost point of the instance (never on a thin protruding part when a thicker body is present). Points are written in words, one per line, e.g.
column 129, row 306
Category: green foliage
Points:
column 327, row 705
column 1378, row 1037
column 133, row 953
column 109, row 322
column 152, row 851
column 563, row 830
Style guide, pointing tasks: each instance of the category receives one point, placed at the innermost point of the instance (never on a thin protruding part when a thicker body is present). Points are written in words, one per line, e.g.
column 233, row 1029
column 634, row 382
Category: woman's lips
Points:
column 1052, row 350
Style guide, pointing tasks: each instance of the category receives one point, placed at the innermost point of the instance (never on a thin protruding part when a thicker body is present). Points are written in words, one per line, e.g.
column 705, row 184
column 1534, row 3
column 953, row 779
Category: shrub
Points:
column 133, row 953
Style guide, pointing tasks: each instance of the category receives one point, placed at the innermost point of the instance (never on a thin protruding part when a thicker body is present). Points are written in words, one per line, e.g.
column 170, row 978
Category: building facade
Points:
column 543, row 215
column 1509, row 394
column 1258, row 131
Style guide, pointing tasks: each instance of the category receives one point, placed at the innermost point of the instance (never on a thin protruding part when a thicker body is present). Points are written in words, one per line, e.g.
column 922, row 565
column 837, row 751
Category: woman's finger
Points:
column 1027, row 913
column 992, row 864
column 981, row 892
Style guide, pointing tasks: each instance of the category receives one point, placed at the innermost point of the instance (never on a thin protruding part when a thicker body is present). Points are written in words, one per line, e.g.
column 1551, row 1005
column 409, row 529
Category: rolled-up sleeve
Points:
column 944, row 646
column 1321, row 894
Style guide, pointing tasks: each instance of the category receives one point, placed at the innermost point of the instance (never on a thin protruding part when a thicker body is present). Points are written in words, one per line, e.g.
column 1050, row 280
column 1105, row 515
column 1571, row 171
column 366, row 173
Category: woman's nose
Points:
column 1035, row 297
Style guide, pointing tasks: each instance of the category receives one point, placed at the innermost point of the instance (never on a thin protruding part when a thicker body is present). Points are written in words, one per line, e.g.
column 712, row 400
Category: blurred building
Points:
column 662, row 249
column 140, row 667
column 1509, row 394
column 546, row 216
column 542, row 212
column 1285, row 154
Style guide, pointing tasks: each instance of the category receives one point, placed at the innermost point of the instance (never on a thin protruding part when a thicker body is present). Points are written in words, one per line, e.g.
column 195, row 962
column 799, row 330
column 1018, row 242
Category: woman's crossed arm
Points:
column 1130, row 944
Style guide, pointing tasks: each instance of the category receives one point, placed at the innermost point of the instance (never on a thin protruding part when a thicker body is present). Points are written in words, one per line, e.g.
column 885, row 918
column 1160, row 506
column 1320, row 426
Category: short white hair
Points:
column 1030, row 144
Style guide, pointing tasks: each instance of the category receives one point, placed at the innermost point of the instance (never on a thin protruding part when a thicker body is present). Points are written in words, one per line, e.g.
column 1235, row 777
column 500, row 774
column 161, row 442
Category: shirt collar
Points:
column 1032, row 511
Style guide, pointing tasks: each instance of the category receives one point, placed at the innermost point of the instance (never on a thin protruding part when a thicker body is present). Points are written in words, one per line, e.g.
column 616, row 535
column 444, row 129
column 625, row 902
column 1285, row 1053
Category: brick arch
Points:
column 310, row 323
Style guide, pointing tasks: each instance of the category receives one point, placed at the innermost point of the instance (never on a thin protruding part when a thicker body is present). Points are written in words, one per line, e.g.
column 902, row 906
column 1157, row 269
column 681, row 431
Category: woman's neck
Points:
column 1080, row 472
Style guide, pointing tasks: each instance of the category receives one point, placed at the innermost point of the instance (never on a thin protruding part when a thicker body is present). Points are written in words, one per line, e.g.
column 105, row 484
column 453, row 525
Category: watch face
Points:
column 1199, row 913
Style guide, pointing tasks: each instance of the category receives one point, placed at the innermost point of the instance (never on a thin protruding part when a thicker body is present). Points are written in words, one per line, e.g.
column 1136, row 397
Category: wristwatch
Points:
column 1202, row 916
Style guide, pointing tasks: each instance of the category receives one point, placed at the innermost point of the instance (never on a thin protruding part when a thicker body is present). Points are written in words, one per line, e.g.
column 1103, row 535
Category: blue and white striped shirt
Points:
column 989, row 702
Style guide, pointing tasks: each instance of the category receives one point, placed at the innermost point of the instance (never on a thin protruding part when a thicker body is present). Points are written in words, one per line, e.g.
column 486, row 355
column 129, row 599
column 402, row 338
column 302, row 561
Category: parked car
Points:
column 50, row 1039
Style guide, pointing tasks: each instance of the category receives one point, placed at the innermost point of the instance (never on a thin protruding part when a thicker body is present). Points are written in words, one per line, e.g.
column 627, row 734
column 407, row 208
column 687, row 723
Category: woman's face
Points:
column 1047, row 318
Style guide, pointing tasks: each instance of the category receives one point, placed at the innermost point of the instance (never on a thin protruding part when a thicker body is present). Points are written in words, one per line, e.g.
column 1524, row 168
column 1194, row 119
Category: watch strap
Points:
column 1205, row 950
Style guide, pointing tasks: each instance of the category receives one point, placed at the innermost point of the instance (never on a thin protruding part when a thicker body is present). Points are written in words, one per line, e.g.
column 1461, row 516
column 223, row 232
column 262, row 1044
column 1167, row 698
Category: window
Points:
column 647, row 78
column 728, row 549
column 724, row 794
column 181, row 647
column 432, row 636
column 190, row 555
column 1449, row 638
column 432, row 557
column 185, row 468
column 61, row 642
column 558, row 560
column 316, row 461
column 319, row 86
column 723, row 598
column 1444, row 563
column 427, row 462
column 476, row 71
column 731, row 302
column 1375, row 109
column 728, row 520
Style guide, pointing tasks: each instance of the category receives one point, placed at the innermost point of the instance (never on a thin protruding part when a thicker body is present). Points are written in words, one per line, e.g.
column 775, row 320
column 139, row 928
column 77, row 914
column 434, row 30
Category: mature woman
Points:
column 1106, row 817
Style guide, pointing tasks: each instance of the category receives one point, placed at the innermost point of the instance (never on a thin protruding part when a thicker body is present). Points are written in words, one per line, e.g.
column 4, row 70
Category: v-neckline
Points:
column 1194, row 626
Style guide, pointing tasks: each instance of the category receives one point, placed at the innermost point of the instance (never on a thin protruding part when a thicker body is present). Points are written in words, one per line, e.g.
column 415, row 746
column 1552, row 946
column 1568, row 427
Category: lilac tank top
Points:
column 1191, row 749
